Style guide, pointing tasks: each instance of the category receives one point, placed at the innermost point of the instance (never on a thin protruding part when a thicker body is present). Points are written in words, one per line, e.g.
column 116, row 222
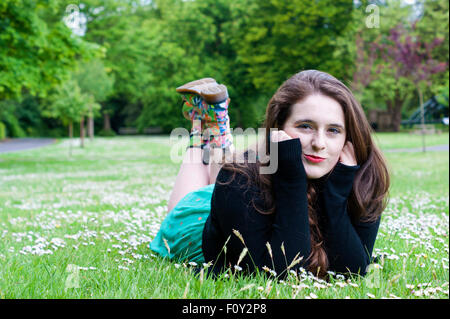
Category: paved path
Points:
column 19, row 144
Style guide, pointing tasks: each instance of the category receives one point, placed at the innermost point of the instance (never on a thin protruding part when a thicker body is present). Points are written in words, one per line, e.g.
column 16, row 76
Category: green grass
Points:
column 388, row 141
column 101, row 207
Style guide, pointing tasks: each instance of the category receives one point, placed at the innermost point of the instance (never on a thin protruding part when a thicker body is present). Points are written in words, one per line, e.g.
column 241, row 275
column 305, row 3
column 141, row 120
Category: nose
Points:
column 318, row 141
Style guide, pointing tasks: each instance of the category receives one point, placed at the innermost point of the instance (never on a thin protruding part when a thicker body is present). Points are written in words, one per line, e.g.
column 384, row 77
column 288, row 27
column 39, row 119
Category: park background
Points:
column 76, row 218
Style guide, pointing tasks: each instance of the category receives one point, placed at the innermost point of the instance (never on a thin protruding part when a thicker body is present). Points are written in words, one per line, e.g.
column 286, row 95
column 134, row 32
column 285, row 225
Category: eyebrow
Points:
column 311, row 121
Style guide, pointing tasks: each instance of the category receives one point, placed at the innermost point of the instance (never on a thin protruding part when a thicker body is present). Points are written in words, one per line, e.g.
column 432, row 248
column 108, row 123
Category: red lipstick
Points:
column 314, row 159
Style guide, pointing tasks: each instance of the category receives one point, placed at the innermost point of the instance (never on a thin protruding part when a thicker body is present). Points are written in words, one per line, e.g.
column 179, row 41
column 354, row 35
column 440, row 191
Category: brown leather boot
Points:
column 190, row 86
column 207, row 88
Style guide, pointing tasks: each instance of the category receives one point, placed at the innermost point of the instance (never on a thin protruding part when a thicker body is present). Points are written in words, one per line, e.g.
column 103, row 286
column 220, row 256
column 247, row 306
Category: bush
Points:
column 106, row 133
column 2, row 131
column 9, row 119
column 13, row 126
column 442, row 127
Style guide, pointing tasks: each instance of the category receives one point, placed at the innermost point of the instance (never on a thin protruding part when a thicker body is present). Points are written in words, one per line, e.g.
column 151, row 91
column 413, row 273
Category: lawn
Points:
column 404, row 140
column 79, row 227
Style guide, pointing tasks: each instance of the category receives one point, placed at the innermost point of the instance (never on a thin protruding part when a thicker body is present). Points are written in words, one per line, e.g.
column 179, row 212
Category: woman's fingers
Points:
column 348, row 154
column 278, row 136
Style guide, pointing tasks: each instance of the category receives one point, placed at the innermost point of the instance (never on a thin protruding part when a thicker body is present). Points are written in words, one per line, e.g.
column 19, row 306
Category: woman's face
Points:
column 319, row 122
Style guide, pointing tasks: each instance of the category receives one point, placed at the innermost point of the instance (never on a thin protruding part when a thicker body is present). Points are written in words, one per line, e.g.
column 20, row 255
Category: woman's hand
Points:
column 279, row 136
column 348, row 155
column 287, row 159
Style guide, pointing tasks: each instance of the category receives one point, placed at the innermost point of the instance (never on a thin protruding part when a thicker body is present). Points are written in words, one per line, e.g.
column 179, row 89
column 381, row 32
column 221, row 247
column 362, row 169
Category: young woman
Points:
column 320, row 210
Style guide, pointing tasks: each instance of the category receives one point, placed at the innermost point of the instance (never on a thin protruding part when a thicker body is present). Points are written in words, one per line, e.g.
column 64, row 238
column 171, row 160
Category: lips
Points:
column 314, row 159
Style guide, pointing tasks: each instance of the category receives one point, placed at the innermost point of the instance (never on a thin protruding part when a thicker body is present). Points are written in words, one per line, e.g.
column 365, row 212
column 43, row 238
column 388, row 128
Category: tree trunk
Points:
column 397, row 116
column 91, row 124
column 82, row 132
column 91, row 128
column 394, row 108
column 106, row 122
column 422, row 118
column 70, row 129
column 70, row 136
column 390, row 110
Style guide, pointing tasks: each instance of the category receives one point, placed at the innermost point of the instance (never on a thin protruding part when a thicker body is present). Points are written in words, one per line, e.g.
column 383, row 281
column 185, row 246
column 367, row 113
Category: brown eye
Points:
column 304, row 126
column 335, row 130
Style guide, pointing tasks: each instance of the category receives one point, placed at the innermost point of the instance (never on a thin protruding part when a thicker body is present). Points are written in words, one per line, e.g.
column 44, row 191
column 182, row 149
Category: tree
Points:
column 364, row 73
column 70, row 105
column 94, row 80
column 374, row 81
column 251, row 46
column 152, row 50
column 407, row 57
column 37, row 51
column 9, row 119
column 275, row 38
column 434, row 23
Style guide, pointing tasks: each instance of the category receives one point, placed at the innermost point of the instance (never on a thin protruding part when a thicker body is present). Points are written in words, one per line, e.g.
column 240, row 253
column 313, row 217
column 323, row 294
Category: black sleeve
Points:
column 349, row 246
column 232, row 208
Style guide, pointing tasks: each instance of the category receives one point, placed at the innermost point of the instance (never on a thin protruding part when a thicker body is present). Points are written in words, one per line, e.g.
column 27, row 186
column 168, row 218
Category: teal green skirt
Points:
column 180, row 235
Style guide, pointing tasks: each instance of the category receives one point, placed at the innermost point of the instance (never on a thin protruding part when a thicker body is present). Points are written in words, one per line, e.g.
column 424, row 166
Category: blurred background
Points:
column 108, row 67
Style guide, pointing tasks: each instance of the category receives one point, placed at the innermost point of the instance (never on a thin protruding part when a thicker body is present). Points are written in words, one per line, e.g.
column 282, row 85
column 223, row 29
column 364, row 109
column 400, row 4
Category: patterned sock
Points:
column 192, row 110
column 217, row 124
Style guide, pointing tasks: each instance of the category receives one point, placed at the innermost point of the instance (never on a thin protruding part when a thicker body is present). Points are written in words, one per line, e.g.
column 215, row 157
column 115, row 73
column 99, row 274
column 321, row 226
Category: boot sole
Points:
column 190, row 86
column 214, row 93
column 207, row 88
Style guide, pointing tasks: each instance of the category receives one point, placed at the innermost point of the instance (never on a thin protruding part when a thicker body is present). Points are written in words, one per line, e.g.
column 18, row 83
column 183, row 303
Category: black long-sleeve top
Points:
column 348, row 245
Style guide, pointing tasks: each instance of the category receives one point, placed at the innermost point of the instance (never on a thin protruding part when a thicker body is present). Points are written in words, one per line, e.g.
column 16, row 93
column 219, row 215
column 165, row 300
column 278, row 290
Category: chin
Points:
column 315, row 172
column 314, row 175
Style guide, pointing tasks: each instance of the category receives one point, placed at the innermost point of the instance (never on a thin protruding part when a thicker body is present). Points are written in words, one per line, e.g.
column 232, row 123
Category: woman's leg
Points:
column 219, row 156
column 193, row 174
column 221, row 146
column 214, row 164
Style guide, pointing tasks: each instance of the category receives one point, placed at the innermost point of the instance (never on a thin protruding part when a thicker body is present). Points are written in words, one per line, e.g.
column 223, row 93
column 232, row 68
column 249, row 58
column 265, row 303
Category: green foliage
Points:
column 9, row 118
column 13, row 126
column 149, row 49
column 275, row 39
column 68, row 103
column 386, row 87
column 443, row 91
column 37, row 50
column 2, row 131
column 28, row 114
column 434, row 23
column 250, row 46
column 384, row 84
column 93, row 79
column 24, row 118
column 106, row 133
